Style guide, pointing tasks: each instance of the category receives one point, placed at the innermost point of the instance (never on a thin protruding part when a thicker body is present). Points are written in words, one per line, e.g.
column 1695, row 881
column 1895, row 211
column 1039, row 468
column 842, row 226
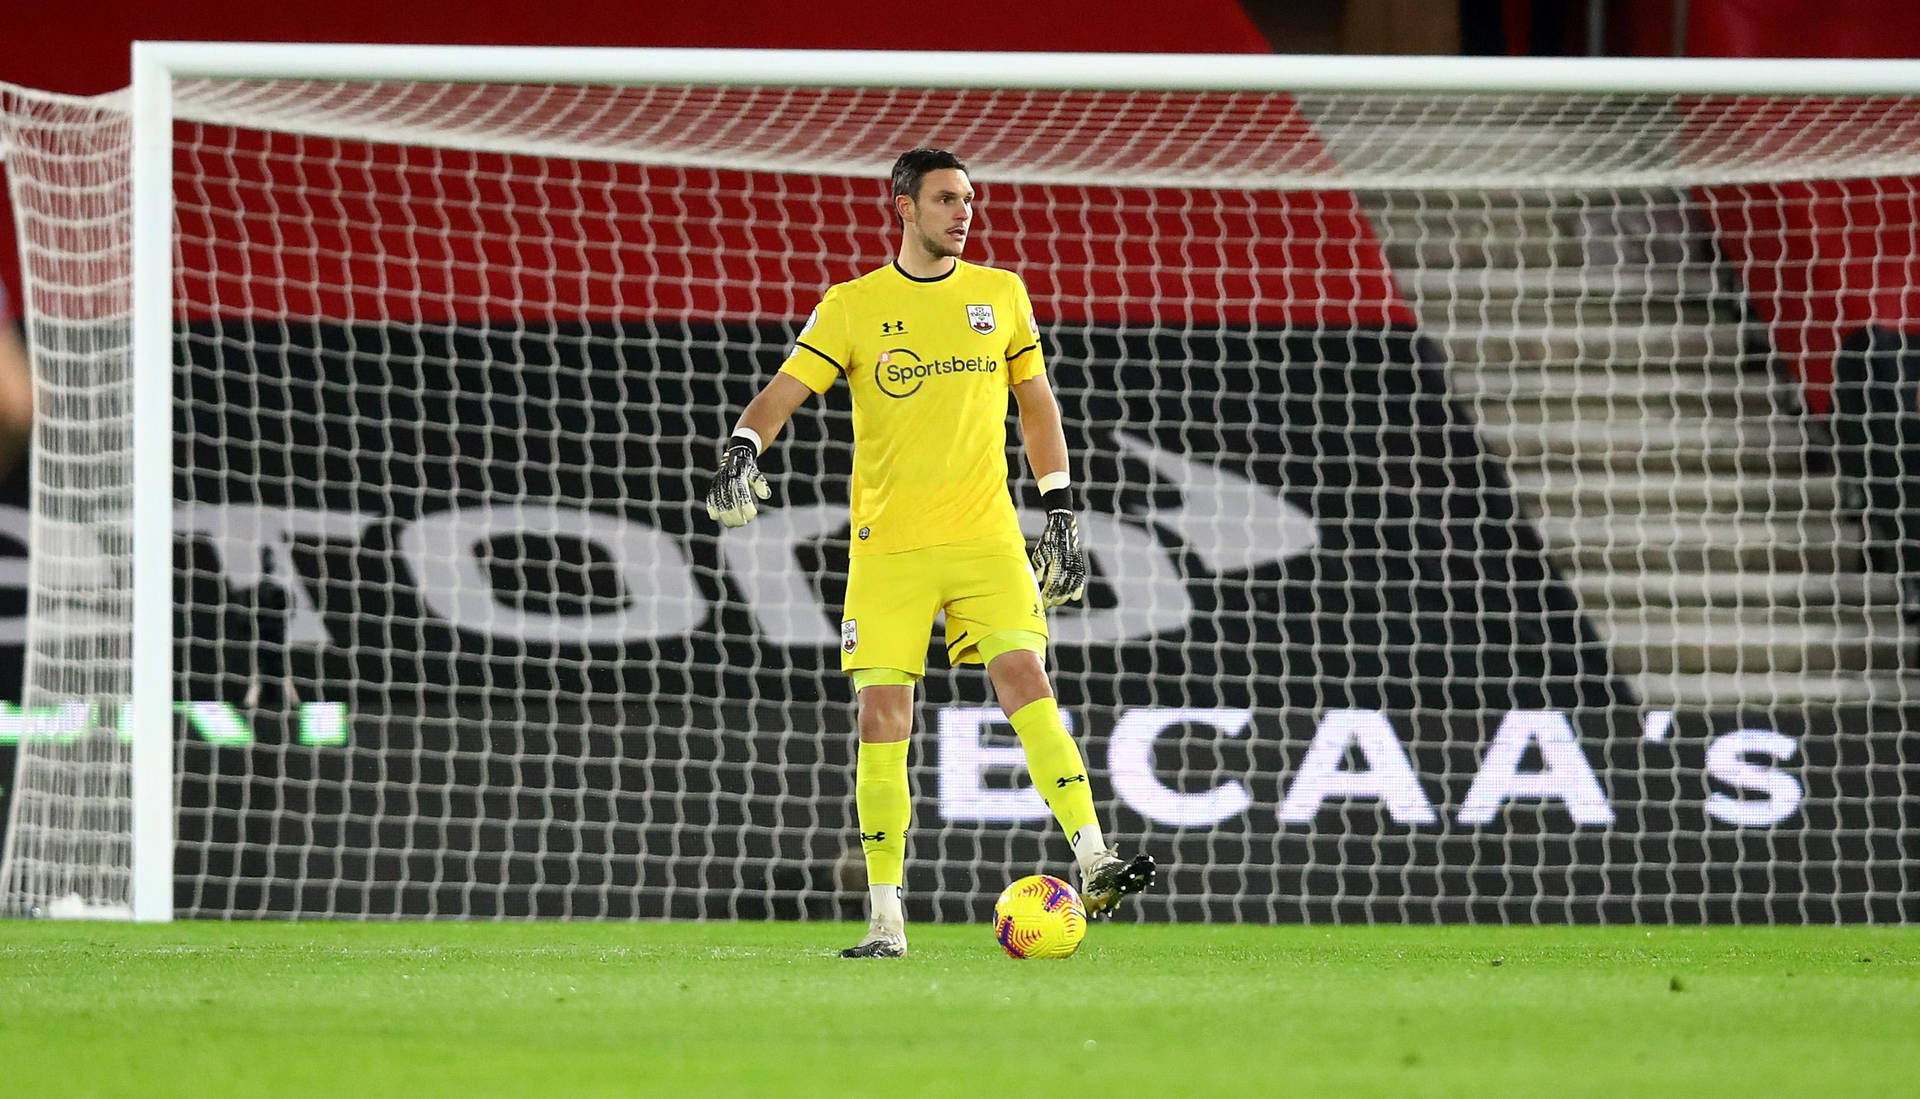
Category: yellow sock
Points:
column 885, row 806
column 1059, row 772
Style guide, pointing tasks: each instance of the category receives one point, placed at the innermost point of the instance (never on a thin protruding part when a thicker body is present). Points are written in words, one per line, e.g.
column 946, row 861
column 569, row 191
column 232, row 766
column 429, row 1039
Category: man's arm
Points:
column 768, row 412
column 738, row 481
column 16, row 397
column 1040, row 429
column 1059, row 564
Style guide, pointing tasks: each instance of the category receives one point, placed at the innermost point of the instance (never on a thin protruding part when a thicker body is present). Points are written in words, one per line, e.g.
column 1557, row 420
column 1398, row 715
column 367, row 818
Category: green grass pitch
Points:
column 766, row 1009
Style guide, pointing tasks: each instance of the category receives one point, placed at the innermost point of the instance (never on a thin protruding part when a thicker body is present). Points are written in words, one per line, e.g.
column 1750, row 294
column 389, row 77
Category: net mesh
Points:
column 68, row 845
column 1471, row 536
column 1136, row 138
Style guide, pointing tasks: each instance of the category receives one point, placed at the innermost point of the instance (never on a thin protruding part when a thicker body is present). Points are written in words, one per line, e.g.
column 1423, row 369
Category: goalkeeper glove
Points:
column 1059, row 564
column 736, row 484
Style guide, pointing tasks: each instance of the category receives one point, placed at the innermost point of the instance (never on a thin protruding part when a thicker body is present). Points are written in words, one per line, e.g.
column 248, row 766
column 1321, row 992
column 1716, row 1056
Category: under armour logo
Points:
column 877, row 837
column 893, row 328
column 1071, row 778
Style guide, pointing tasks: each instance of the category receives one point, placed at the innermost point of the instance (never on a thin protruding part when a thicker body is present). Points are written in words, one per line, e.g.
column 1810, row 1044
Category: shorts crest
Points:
column 849, row 635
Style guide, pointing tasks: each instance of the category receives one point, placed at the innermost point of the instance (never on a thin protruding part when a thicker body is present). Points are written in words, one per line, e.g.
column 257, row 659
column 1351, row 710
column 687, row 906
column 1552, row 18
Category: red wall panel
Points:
column 1803, row 28
column 1818, row 260
column 1821, row 259
column 384, row 233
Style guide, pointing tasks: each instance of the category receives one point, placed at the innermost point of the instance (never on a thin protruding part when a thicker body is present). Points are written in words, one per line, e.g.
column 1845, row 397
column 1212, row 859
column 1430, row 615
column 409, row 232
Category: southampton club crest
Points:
column 981, row 318
column 849, row 635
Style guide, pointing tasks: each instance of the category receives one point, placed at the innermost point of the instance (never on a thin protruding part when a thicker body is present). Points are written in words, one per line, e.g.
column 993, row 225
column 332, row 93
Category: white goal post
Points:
column 1365, row 767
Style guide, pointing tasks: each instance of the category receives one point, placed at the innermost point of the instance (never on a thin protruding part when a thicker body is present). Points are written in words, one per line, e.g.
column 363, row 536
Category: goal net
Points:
column 1494, row 499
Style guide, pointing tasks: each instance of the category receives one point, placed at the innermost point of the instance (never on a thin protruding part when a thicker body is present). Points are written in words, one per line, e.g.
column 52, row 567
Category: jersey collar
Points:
column 936, row 278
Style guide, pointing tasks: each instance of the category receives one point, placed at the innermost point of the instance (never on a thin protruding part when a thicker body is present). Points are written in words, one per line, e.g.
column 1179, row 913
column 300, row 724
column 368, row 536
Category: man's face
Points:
column 942, row 214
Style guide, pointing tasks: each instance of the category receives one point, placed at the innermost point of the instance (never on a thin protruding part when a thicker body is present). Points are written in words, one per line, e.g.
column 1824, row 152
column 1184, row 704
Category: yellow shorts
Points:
column 985, row 586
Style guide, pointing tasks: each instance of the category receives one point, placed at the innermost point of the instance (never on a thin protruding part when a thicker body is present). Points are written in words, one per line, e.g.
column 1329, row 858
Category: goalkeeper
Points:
column 930, row 346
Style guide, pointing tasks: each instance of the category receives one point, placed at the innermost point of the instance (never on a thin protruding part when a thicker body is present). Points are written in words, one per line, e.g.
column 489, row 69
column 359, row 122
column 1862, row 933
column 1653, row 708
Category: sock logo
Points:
column 1062, row 783
column 876, row 837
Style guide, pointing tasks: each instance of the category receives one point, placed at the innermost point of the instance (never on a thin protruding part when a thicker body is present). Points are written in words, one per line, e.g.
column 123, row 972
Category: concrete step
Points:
column 1599, row 348
column 1732, row 690
column 1815, row 544
column 1541, row 399
column 1506, row 198
column 1475, row 214
column 1413, row 253
column 1474, row 157
column 1555, row 396
column 1630, row 592
column 1636, row 200
column 1456, row 231
column 1694, row 640
column 1633, row 436
column 1618, row 462
column 1440, row 314
column 1632, row 441
column 1472, row 250
column 1573, row 282
column 1561, row 492
column 1693, row 371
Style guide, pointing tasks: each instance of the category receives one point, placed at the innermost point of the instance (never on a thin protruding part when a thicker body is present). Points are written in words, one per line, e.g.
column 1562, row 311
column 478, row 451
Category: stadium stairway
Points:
column 1670, row 473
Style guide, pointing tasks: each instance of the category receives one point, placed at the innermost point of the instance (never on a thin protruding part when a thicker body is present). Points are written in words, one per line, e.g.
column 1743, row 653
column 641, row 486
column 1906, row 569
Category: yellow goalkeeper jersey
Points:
column 929, row 363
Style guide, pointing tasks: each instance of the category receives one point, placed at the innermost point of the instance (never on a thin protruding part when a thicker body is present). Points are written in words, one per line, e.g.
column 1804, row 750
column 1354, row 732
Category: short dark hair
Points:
column 913, row 166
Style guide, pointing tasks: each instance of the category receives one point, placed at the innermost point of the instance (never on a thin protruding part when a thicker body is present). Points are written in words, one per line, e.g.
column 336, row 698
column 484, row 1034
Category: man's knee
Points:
column 1019, row 677
column 886, row 712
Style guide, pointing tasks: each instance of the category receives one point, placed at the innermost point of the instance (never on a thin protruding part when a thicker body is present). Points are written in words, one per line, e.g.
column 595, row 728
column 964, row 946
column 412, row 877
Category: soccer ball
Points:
column 1039, row 917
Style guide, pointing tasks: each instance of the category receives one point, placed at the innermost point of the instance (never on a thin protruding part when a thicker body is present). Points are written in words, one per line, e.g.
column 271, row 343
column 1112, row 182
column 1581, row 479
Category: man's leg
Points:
column 1053, row 759
column 884, row 803
column 888, row 619
column 1058, row 769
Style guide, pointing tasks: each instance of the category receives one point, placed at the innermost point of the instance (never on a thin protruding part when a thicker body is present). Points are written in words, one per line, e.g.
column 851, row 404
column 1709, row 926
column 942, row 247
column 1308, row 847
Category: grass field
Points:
column 765, row 1009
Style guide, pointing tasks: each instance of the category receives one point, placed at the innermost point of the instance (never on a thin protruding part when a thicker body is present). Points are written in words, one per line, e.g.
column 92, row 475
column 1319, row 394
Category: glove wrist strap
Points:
column 748, row 437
